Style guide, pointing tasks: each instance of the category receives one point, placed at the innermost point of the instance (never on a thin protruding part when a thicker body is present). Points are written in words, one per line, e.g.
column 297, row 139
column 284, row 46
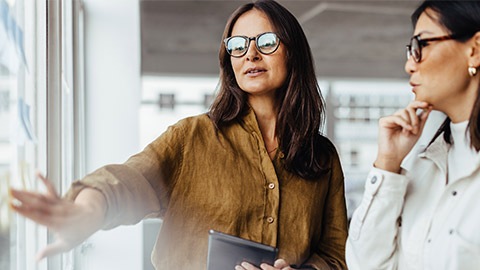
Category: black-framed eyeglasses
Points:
column 414, row 49
column 266, row 43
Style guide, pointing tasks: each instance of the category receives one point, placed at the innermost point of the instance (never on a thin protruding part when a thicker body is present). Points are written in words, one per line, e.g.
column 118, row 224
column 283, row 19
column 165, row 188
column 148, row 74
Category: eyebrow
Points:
column 424, row 32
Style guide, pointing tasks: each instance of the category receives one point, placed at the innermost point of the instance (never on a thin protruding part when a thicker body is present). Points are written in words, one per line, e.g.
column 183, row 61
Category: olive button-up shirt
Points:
column 196, row 181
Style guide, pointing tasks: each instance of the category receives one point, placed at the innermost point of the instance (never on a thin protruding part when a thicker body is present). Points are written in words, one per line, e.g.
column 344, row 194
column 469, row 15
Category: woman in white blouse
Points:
column 428, row 217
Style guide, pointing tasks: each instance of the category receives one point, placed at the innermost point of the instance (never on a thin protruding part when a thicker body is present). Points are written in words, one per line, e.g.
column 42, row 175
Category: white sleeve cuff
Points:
column 380, row 182
column 383, row 190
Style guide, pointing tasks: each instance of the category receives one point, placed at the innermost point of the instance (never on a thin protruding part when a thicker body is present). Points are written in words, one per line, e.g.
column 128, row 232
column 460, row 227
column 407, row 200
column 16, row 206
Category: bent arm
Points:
column 372, row 240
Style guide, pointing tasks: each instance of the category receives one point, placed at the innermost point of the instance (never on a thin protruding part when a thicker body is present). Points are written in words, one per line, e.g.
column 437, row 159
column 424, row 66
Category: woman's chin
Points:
column 420, row 98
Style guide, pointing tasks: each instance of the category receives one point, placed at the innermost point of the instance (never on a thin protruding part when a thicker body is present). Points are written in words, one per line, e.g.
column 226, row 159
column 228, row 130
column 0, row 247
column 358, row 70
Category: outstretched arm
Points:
column 71, row 221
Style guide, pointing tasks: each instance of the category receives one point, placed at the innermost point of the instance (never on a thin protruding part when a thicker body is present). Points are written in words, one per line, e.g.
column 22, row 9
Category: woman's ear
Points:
column 474, row 55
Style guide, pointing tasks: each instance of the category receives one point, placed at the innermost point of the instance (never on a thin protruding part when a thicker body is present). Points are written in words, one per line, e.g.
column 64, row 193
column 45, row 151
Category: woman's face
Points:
column 257, row 73
column 441, row 77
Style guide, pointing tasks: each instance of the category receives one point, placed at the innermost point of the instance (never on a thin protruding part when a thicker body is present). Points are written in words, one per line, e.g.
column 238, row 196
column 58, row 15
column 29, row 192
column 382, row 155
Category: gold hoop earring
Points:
column 472, row 71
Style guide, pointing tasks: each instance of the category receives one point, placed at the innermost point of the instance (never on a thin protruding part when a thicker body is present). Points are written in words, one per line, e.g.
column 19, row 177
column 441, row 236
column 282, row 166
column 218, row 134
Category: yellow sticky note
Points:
column 24, row 173
column 11, row 2
column 4, row 199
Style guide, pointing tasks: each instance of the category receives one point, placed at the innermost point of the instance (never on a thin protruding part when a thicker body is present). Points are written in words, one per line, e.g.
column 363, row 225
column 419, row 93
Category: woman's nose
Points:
column 410, row 65
column 252, row 53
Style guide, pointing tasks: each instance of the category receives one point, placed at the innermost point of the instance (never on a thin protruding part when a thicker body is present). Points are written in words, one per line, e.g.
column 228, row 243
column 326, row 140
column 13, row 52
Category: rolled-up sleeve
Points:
column 372, row 240
column 140, row 187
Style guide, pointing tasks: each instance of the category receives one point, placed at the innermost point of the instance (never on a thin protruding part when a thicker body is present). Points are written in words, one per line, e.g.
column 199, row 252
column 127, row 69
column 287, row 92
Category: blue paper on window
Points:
column 24, row 126
column 12, row 50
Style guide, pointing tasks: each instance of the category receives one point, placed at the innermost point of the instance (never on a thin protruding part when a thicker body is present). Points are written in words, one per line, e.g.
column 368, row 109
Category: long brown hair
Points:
column 460, row 18
column 301, row 107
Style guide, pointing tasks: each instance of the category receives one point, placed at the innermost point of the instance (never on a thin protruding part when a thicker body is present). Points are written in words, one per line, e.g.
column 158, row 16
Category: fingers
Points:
column 416, row 104
column 424, row 116
column 279, row 264
column 31, row 199
column 246, row 266
column 417, row 120
column 396, row 121
column 405, row 115
column 265, row 266
column 50, row 188
column 52, row 249
column 414, row 120
column 407, row 119
column 282, row 264
column 34, row 206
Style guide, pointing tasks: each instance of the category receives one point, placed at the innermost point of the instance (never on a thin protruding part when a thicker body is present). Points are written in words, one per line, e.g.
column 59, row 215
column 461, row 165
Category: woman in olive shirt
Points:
column 254, row 166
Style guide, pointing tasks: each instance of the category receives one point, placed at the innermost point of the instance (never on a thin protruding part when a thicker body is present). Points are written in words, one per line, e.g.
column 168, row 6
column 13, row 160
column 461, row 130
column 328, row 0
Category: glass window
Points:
column 27, row 124
column 17, row 135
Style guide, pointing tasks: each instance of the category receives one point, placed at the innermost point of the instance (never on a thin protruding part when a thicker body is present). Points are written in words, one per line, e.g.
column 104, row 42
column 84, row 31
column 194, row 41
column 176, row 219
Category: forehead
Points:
column 252, row 23
column 428, row 24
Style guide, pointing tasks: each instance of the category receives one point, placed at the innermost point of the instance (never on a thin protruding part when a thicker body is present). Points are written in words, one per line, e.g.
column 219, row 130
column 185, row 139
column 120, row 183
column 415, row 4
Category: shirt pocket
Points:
column 465, row 254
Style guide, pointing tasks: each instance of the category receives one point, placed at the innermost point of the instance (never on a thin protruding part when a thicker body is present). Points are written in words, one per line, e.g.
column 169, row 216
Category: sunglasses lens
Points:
column 236, row 46
column 267, row 43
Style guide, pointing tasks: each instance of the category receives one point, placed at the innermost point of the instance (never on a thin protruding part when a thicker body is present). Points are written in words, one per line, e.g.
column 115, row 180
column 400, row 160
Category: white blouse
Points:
column 460, row 155
column 418, row 220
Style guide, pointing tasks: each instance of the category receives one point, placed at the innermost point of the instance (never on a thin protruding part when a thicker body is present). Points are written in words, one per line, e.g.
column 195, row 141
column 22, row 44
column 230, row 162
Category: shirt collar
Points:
column 438, row 153
column 250, row 124
column 249, row 121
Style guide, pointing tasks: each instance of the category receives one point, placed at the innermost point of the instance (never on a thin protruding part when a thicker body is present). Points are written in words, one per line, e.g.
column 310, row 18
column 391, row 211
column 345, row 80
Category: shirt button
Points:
column 270, row 219
column 271, row 186
column 429, row 240
column 373, row 180
column 451, row 231
column 454, row 193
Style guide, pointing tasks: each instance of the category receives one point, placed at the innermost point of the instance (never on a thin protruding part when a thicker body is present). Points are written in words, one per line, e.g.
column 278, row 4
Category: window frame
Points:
column 66, row 105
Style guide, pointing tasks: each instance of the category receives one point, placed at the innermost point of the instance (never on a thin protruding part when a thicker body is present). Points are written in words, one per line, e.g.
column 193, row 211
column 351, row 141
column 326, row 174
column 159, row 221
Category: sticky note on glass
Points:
column 24, row 125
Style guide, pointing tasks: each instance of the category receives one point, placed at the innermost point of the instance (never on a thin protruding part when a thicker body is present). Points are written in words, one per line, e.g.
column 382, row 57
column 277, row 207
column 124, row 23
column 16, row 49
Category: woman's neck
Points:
column 459, row 114
column 460, row 109
column 265, row 109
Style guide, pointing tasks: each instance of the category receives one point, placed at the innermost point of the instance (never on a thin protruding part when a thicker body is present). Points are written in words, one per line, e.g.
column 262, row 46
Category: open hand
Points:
column 72, row 222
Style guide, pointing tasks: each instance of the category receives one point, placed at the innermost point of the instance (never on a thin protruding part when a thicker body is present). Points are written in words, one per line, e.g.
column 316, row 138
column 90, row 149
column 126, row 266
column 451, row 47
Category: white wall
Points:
column 113, row 88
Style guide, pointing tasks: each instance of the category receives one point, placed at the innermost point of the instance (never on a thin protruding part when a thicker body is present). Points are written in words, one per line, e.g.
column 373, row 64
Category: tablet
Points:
column 225, row 251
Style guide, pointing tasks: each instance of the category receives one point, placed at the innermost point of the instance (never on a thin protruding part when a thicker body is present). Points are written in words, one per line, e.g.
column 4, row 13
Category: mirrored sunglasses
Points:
column 266, row 43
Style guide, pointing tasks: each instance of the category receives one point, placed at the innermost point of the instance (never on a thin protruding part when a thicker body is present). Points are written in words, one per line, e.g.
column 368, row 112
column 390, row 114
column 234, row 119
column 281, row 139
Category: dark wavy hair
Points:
column 460, row 18
column 301, row 107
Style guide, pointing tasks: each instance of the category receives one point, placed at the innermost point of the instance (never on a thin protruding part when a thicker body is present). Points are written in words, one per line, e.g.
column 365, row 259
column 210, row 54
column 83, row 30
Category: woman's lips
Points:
column 255, row 72
column 414, row 86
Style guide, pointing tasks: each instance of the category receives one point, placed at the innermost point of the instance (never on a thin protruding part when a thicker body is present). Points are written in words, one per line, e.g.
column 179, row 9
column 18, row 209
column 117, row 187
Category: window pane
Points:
column 5, row 154
column 15, row 130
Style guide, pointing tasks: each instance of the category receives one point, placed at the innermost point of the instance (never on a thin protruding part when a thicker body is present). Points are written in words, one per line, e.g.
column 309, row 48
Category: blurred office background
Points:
column 84, row 83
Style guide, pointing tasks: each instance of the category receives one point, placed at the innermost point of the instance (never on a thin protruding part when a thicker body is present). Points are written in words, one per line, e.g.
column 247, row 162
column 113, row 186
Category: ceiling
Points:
column 349, row 39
